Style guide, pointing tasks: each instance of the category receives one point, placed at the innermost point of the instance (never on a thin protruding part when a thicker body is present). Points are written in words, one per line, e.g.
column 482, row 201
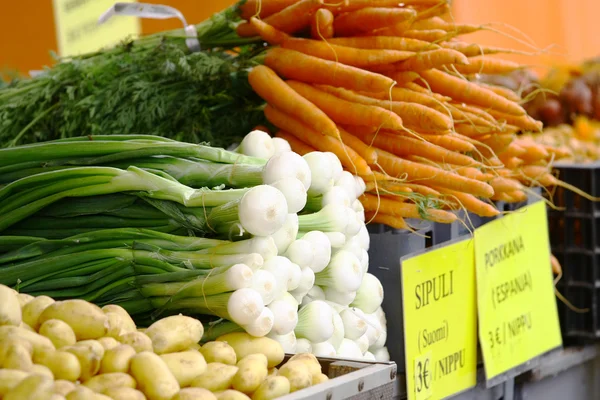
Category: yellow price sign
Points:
column 440, row 321
column 518, row 317
column 77, row 29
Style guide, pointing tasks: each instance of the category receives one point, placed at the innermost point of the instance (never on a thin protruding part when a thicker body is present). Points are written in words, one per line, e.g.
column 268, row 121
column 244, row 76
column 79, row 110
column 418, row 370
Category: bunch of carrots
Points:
column 388, row 88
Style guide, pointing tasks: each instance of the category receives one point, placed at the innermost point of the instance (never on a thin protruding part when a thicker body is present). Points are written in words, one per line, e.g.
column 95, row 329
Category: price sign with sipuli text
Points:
column 440, row 321
column 518, row 318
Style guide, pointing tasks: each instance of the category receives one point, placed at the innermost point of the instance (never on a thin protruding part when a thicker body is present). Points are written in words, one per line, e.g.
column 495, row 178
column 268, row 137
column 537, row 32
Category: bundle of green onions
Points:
column 257, row 239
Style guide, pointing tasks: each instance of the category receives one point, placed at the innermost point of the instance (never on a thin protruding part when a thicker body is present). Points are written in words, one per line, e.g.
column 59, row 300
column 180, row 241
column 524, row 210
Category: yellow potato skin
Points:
column 100, row 383
column 62, row 364
column 174, row 333
column 90, row 354
column 9, row 378
column 217, row 377
column 232, row 395
column 36, row 387
column 153, row 376
column 297, row 373
column 63, row 387
column 185, row 365
column 194, row 393
column 124, row 393
column 138, row 340
column 271, row 388
column 117, row 359
column 244, row 345
column 59, row 332
column 87, row 319
column 219, row 352
column 10, row 308
column 252, row 371
column 33, row 309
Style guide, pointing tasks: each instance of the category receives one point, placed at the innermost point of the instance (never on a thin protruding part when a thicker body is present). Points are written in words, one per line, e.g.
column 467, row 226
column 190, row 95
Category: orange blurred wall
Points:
column 28, row 33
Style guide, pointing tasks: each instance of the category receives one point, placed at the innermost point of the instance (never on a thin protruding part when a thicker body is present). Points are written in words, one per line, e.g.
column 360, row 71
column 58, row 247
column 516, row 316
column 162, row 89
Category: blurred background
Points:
column 31, row 28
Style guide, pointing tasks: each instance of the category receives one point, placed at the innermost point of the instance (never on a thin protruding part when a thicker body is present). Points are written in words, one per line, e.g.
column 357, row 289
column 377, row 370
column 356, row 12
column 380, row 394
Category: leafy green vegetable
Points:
column 152, row 85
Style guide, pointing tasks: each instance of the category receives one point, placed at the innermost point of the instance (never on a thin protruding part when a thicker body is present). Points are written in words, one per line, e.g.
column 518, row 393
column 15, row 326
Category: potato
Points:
column 273, row 371
column 102, row 382
column 232, row 395
column 108, row 342
column 59, row 332
column 194, row 394
column 174, row 333
column 38, row 342
column 272, row 388
column 117, row 359
column 64, row 365
column 138, row 340
column 252, row 370
column 124, row 393
column 153, row 376
column 89, row 353
column 36, row 387
column 24, row 298
column 314, row 367
column 81, row 393
column 219, row 352
column 18, row 357
column 63, row 387
column 9, row 378
column 10, row 308
column 244, row 344
column 56, row 396
column 115, row 325
column 33, row 309
column 217, row 377
column 23, row 325
column 143, row 330
column 87, row 319
column 39, row 369
column 185, row 365
column 297, row 373
column 195, row 346
column 128, row 324
column 7, row 342
column 319, row 378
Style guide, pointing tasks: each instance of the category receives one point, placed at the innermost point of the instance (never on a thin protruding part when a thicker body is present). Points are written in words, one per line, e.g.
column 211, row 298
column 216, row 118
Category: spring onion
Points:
column 323, row 349
column 285, row 316
column 281, row 145
column 338, row 331
column 343, row 273
column 315, row 293
column 354, row 325
column 257, row 144
column 261, row 325
column 321, row 172
column 287, row 165
column 363, row 343
column 322, row 249
column 300, row 252
column 265, row 284
column 341, row 298
column 315, row 322
column 349, row 349
column 287, row 341
column 369, row 295
column 303, row 345
column 294, row 193
column 286, row 234
column 382, row 355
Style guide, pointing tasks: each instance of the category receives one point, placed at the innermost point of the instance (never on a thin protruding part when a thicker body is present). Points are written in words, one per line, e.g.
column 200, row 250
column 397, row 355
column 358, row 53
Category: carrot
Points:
column 289, row 20
column 275, row 91
column 396, row 166
column 370, row 18
column 413, row 115
column 505, row 185
column 348, row 157
column 471, row 131
column 404, row 95
column 438, row 23
column 363, row 150
column 384, row 219
column 473, row 49
column 345, row 55
column 471, row 203
column 432, row 35
column 384, row 42
column 297, row 145
column 555, row 265
column 347, row 112
column 266, row 7
column 405, row 146
column 487, row 65
column 379, row 177
column 268, row 33
column 424, row 190
column 467, row 172
column 474, row 110
column 502, row 91
column 466, row 117
column 405, row 210
column 468, row 92
column 517, row 196
column 322, row 24
column 402, row 77
column 450, row 142
column 432, row 59
column 559, row 153
column 523, row 121
column 533, row 151
column 439, row 8
column 513, row 150
column 388, row 186
column 301, row 67
column 338, row 7
column 512, row 162
column 417, row 88
column 498, row 143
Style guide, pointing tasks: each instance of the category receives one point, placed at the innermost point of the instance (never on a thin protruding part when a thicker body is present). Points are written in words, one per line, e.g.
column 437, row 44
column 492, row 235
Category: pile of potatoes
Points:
column 72, row 349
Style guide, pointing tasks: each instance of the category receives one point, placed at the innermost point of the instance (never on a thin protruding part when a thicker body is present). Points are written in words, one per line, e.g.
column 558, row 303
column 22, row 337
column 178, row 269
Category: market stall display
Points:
column 275, row 248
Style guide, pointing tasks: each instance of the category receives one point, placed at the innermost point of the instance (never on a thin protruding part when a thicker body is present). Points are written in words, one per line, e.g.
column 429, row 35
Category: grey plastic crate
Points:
column 388, row 246
column 348, row 379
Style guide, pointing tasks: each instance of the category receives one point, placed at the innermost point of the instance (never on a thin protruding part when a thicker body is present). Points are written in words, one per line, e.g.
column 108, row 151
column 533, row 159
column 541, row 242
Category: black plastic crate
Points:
column 575, row 242
column 387, row 247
